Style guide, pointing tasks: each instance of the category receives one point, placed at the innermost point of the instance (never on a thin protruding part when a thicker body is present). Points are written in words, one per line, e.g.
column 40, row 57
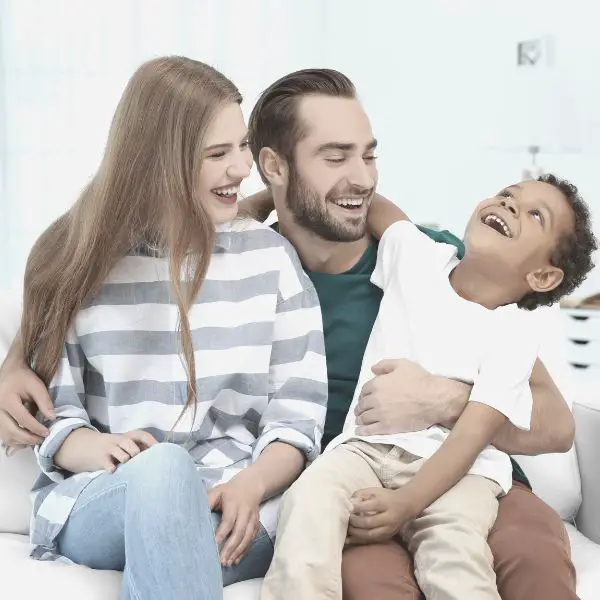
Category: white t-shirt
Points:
column 423, row 319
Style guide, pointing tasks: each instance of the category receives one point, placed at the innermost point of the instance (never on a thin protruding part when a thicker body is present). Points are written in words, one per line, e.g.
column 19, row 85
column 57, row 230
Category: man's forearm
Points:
column 552, row 424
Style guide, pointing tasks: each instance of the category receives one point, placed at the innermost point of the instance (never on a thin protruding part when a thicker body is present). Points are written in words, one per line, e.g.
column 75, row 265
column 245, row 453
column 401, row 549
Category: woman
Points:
column 183, row 350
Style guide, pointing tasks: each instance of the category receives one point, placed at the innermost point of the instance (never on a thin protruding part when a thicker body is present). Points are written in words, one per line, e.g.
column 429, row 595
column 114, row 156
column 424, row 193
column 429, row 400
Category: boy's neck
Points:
column 471, row 280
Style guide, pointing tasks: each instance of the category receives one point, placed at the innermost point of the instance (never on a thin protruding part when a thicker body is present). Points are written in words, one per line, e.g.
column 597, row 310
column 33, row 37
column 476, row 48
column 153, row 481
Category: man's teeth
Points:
column 349, row 202
column 496, row 219
column 230, row 191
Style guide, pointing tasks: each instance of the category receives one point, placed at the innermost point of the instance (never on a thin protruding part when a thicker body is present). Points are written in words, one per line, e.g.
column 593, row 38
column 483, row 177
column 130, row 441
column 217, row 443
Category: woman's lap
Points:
column 94, row 533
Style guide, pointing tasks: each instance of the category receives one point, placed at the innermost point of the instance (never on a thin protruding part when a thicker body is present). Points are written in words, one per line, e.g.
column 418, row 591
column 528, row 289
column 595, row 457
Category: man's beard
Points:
column 311, row 213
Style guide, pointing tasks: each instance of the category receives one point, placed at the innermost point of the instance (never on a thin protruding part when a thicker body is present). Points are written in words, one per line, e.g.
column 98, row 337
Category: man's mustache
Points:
column 354, row 191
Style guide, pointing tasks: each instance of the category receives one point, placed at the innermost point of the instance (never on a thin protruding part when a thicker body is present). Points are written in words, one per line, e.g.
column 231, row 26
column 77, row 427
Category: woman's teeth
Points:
column 346, row 202
column 230, row 191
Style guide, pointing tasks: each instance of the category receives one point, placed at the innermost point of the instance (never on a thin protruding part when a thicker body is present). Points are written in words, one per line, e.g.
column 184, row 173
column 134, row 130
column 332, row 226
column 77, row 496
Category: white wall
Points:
column 439, row 80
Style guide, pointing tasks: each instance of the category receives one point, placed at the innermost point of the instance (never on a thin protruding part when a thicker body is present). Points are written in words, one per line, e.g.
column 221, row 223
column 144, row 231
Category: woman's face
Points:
column 227, row 161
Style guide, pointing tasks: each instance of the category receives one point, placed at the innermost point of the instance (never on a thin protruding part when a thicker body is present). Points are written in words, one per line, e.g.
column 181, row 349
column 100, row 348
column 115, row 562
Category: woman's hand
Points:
column 238, row 502
column 86, row 450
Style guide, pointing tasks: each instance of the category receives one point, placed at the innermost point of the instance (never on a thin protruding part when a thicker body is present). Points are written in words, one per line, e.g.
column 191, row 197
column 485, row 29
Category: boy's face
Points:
column 521, row 227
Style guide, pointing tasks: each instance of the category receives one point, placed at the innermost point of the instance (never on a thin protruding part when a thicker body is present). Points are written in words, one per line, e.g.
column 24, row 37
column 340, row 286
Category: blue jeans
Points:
column 151, row 520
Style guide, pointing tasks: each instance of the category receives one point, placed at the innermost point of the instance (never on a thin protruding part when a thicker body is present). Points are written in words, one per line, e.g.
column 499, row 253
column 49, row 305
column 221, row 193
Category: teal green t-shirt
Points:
column 350, row 303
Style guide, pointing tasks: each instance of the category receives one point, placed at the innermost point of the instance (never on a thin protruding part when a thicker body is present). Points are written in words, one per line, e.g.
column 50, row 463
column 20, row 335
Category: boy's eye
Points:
column 335, row 159
column 536, row 214
column 370, row 158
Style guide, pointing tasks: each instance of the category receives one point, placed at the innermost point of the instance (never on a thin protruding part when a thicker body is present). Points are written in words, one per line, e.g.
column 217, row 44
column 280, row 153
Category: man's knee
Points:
column 531, row 549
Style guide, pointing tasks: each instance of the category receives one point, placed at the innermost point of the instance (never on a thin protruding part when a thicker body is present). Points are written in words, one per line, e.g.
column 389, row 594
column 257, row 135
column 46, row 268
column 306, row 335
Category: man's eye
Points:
column 335, row 160
column 370, row 158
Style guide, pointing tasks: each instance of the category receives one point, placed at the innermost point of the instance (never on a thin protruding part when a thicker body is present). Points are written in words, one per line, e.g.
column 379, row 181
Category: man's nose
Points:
column 361, row 176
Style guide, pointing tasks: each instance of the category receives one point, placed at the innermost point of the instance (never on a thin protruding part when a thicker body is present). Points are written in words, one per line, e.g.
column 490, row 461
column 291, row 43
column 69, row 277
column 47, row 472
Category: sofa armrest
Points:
column 586, row 411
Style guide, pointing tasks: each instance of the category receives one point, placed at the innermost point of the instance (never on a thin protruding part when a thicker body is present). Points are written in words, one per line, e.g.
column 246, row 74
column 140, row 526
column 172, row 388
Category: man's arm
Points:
column 552, row 423
column 257, row 206
column 21, row 393
column 404, row 397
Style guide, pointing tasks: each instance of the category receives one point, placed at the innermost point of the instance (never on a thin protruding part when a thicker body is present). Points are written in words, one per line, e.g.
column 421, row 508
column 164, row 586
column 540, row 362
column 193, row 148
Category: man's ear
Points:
column 545, row 279
column 273, row 166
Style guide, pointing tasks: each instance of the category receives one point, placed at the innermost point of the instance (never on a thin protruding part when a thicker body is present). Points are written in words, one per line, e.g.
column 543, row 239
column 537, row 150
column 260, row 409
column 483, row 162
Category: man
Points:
column 314, row 148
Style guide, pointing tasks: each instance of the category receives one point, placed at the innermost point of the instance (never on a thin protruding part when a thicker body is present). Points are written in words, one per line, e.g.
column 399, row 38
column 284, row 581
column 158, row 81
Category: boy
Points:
column 527, row 246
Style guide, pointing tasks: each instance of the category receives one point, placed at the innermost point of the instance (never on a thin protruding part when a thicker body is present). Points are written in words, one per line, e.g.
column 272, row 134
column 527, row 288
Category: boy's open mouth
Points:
column 497, row 223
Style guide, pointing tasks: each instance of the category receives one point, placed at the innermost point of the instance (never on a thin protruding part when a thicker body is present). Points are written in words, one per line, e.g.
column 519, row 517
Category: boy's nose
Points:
column 510, row 205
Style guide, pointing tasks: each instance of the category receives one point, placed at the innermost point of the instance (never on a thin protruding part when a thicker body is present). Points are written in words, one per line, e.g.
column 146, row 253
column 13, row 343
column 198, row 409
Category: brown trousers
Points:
column 531, row 557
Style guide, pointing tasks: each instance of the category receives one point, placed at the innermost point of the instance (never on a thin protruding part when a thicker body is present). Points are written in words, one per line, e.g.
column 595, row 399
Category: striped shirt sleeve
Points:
column 68, row 396
column 297, row 404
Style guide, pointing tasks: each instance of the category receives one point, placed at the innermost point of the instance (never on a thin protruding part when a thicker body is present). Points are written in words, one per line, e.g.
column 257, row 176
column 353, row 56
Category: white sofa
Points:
column 568, row 482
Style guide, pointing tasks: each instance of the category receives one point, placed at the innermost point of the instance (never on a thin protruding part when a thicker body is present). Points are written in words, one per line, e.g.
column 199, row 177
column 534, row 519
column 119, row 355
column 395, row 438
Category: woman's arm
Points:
column 274, row 470
column 383, row 213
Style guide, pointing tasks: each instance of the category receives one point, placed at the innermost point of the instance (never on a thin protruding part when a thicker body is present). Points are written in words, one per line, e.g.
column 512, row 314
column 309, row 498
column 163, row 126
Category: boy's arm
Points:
column 473, row 431
column 383, row 213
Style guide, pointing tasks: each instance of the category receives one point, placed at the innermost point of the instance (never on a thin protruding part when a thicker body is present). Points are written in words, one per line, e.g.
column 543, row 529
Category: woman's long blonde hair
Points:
column 145, row 191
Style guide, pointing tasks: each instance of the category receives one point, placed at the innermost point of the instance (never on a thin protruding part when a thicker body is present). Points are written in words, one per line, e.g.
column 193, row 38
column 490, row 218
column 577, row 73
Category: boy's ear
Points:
column 545, row 279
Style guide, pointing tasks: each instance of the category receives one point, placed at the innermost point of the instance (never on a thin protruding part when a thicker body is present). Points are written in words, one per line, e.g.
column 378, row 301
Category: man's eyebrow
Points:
column 344, row 147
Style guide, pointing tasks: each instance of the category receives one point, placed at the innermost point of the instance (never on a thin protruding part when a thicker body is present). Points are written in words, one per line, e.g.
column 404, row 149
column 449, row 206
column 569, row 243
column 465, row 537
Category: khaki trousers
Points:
column 448, row 541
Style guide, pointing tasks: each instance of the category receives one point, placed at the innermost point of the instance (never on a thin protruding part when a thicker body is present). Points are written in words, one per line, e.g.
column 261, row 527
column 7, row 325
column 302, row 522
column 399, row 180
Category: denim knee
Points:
column 163, row 471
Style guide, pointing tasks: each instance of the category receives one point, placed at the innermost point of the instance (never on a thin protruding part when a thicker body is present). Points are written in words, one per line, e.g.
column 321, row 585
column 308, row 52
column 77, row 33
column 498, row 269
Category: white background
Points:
column 452, row 111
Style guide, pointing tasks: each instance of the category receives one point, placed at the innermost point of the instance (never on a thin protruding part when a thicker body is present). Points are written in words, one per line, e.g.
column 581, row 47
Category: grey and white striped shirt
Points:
column 260, row 364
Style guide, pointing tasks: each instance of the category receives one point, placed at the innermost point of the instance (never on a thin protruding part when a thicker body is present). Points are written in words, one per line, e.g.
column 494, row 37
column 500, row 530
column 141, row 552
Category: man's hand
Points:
column 403, row 397
column 239, row 506
column 87, row 450
column 378, row 515
column 22, row 394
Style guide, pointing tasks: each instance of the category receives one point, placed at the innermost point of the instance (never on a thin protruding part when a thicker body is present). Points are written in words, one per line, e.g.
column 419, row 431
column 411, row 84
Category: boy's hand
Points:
column 378, row 515
column 239, row 504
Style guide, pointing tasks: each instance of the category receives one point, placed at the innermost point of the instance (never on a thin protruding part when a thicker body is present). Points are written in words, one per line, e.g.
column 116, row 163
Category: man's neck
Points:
column 472, row 281
column 320, row 255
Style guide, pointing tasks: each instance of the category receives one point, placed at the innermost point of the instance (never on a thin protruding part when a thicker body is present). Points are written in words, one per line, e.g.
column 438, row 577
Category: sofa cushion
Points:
column 555, row 477
column 55, row 581
column 18, row 472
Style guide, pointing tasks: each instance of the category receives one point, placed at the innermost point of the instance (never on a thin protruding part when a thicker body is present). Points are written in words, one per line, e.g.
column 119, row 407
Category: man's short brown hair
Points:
column 274, row 121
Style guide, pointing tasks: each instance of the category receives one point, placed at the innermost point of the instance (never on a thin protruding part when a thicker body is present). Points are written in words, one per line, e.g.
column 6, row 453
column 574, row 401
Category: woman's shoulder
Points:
column 245, row 234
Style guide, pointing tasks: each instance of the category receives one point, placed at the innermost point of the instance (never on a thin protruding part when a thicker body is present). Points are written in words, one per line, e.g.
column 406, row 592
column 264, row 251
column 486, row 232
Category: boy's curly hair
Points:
column 573, row 253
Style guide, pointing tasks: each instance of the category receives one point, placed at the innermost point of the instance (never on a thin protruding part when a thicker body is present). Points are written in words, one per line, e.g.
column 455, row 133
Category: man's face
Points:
column 521, row 225
column 333, row 175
